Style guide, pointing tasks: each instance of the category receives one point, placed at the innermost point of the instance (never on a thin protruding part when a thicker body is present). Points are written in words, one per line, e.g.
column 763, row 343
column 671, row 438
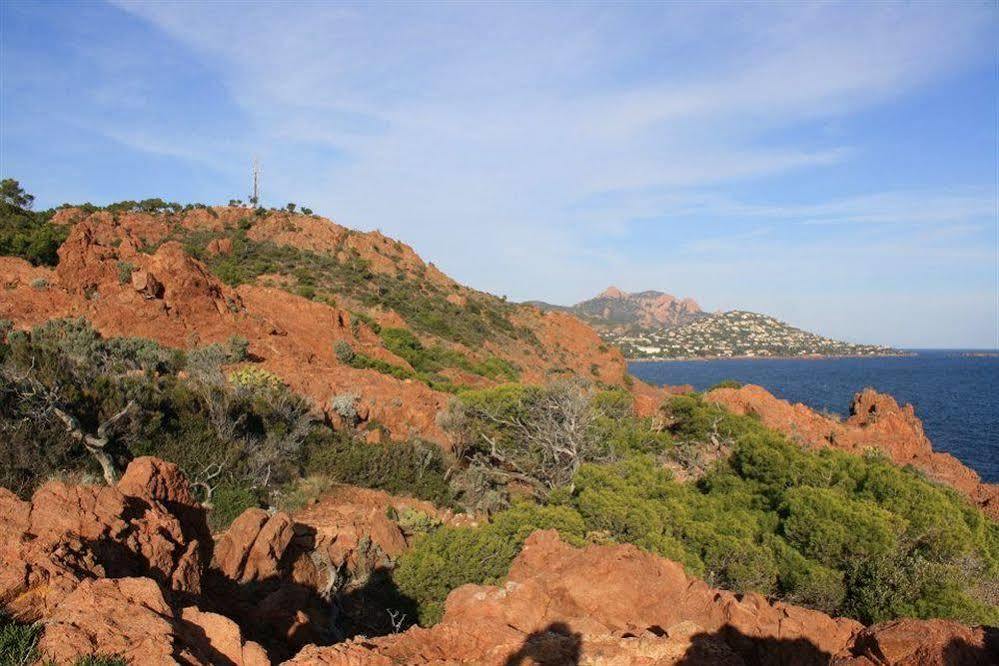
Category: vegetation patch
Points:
column 24, row 233
column 846, row 534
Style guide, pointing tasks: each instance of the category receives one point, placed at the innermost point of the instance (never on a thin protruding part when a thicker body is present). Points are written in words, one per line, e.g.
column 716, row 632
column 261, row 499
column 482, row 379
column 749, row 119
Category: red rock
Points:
column 214, row 637
column 68, row 533
column 219, row 246
column 126, row 616
column 146, row 284
column 922, row 643
column 602, row 604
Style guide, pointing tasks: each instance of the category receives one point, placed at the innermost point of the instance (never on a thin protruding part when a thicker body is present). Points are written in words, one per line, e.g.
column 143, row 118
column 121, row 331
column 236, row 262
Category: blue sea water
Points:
column 955, row 394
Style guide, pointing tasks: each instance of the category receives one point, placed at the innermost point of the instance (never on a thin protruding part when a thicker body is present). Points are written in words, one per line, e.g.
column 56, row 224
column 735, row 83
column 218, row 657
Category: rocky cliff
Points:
column 130, row 570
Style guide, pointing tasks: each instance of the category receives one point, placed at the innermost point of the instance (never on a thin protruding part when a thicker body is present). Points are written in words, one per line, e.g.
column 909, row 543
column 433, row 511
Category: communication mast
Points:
column 255, row 197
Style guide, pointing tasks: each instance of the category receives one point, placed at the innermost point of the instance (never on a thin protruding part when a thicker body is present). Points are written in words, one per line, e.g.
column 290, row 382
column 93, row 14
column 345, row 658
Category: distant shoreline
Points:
column 808, row 357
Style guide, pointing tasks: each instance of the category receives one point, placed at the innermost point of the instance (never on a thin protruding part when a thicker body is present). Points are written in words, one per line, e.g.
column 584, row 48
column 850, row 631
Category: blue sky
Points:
column 831, row 164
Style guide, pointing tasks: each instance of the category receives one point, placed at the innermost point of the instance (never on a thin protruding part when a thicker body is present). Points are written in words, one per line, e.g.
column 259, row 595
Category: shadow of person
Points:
column 728, row 645
column 555, row 645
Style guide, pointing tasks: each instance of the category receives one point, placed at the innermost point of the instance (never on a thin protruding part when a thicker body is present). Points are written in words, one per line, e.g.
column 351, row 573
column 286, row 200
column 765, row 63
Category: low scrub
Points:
column 411, row 468
column 846, row 534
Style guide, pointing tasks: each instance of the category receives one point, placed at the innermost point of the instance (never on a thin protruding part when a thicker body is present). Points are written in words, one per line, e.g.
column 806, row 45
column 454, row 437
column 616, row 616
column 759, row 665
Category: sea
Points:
column 955, row 392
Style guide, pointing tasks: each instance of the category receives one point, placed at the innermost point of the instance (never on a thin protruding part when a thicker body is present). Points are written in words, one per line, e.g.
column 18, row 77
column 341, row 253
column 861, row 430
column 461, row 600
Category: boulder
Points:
column 922, row 643
column 602, row 605
column 147, row 526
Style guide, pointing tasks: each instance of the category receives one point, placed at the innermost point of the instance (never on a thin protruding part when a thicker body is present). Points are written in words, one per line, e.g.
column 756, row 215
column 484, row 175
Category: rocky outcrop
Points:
column 282, row 572
column 876, row 421
column 922, row 643
column 69, row 533
column 130, row 618
column 614, row 311
column 618, row 605
column 116, row 570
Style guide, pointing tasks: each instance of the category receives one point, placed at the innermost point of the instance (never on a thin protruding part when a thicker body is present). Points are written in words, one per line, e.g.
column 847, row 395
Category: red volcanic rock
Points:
column 922, row 643
column 876, row 421
column 129, row 617
column 233, row 547
column 216, row 638
column 219, row 246
column 124, row 616
column 146, row 284
column 68, row 533
column 602, row 604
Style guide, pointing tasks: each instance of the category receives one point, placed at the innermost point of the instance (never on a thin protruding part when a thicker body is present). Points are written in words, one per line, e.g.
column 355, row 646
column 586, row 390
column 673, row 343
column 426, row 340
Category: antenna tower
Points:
column 255, row 198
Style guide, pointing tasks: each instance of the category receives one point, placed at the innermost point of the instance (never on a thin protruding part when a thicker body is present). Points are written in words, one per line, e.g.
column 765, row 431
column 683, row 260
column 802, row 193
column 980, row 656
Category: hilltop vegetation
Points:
column 25, row 233
column 737, row 334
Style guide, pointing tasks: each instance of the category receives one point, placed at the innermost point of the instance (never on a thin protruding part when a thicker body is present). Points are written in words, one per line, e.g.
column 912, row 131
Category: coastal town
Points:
column 737, row 334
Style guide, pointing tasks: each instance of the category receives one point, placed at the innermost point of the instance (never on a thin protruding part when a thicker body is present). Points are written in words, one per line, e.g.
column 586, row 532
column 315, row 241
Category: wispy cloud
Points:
column 543, row 150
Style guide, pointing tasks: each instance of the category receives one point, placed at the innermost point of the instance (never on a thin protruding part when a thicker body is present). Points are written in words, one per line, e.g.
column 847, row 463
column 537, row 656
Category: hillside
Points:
column 614, row 312
column 329, row 310
column 739, row 334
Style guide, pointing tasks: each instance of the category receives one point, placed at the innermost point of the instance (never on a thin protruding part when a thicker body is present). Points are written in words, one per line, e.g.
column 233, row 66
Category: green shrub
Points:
column 125, row 270
column 25, row 233
column 101, row 660
column 454, row 556
column 344, row 352
column 18, row 642
column 411, row 468
column 228, row 502
column 850, row 535
column 727, row 384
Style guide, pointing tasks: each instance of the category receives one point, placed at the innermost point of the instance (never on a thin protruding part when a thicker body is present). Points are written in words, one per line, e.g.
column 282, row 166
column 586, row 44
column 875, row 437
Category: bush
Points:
column 228, row 502
column 727, row 384
column 454, row 556
column 846, row 534
column 25, row 233
column 344, row 352
column 411, row 468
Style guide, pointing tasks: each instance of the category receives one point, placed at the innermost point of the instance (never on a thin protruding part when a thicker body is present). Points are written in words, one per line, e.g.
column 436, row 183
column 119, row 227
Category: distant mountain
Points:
column 740, row 333
column 615, row 312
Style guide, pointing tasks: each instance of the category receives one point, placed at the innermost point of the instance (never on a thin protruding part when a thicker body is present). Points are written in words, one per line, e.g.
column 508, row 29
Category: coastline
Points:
column 807, row 357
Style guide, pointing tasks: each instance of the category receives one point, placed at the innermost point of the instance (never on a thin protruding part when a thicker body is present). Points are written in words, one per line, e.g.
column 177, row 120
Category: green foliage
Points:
column 540, row 436
column 454, row 556
column 101, row 660
column 25, row 233
column 229, row 500
column 429, row 360
column 240, row 437
column 845, row 534
column 125, row 270
column 344, row 352
column 18, row 642
column 413, row 521
column 727, row 383
column 412, row 468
